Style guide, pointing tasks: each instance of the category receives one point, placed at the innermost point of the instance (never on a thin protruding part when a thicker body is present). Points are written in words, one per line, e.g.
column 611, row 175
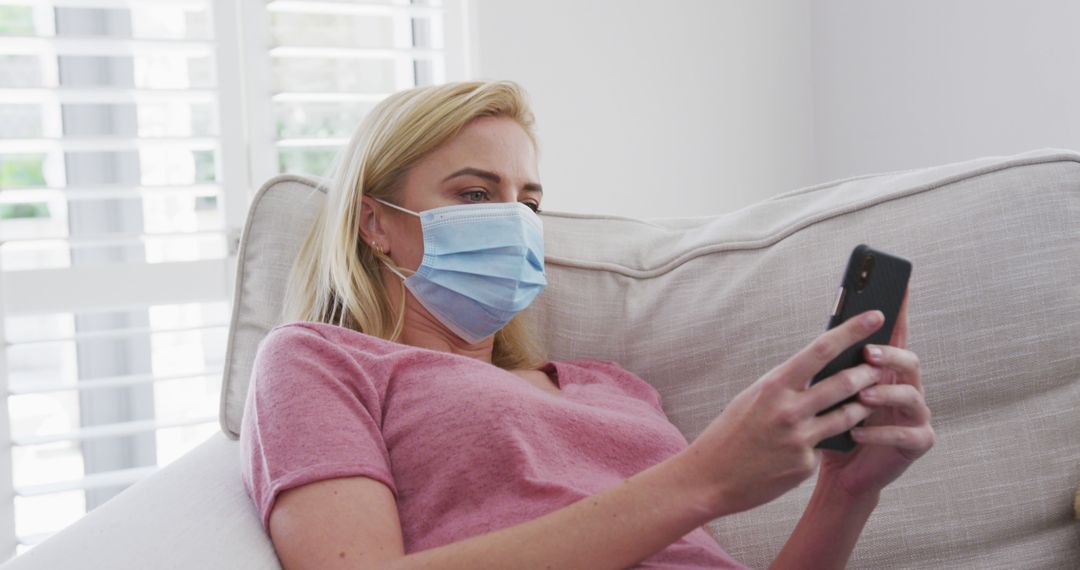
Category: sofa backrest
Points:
column 701, row 307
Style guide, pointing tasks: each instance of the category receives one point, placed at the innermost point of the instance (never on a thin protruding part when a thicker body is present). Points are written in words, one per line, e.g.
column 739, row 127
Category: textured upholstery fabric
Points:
column 701, row 307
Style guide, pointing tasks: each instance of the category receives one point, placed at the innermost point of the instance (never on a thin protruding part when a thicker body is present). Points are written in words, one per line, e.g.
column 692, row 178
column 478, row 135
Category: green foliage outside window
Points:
column 16, row 21
column 24, row 210
column 205, row 170
column 21, row 171
column 310, row 162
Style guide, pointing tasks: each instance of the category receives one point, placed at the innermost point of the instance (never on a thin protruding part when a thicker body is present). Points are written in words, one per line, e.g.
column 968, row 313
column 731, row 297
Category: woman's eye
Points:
column 533, row 205
column 475, row 195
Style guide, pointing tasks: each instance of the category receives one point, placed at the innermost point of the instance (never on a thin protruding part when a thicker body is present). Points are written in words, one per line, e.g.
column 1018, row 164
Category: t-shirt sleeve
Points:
column 313, row 412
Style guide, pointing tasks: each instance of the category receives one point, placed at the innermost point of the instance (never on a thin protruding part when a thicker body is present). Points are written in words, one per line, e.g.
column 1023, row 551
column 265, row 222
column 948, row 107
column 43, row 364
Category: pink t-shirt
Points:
column 465, row 447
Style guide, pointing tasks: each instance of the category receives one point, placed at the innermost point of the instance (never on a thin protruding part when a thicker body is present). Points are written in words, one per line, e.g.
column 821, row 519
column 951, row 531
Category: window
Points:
column 330, row 63
column 132, row 135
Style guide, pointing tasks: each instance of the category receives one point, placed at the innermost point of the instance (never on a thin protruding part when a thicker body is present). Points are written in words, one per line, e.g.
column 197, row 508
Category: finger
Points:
column 838, row 421
column 903, row 397
column 801, row 367
column 839, row 387
column 900, row 331
column 917, row 440
column 903, row 361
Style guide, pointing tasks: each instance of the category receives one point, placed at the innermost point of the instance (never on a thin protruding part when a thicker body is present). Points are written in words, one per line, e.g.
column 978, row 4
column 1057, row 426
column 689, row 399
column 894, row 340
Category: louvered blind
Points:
column 132, row 134
column 331, row 62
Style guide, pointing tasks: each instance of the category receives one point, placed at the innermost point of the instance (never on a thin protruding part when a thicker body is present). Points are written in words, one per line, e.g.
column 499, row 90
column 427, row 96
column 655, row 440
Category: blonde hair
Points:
column 336, row 277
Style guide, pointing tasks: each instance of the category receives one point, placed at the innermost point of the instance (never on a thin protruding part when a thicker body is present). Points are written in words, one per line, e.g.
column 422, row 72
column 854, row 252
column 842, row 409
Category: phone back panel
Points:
column 884, row 290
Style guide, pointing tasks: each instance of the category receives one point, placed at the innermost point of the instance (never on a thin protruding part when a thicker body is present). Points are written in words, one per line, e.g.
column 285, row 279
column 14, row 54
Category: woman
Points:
column 408, row 420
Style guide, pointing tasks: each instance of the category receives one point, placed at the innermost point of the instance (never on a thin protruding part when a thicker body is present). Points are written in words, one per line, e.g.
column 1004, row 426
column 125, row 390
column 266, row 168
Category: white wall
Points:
column 907, row 84
column 698, row 107
column 658, row 109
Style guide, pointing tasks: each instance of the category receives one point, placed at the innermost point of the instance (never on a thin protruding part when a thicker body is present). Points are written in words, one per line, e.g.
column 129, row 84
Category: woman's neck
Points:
column 424, row 331
column 421, row 329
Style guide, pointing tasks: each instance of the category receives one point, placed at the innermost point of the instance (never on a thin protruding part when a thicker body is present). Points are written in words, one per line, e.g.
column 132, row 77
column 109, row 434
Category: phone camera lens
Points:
column 864, row 273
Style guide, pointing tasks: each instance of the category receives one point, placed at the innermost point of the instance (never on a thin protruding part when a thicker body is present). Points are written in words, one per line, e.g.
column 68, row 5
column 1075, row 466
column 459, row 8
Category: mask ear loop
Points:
column 399, row 321
column 393, row 267
column 396, row 207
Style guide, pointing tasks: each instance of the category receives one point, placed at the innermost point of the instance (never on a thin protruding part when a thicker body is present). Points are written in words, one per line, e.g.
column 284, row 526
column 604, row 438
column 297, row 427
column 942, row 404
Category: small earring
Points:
column 376, row 247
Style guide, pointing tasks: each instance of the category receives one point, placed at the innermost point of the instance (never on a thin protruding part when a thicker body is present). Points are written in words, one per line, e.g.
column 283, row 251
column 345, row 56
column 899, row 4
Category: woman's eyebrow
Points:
column 488, row 175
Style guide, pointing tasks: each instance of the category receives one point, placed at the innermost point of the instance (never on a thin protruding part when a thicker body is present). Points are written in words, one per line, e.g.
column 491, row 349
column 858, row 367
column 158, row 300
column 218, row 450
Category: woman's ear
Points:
column 371, row 228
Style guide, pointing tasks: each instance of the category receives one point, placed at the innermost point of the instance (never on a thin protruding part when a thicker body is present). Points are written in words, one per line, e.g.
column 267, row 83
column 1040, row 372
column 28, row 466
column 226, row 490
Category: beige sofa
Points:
column 703, row 306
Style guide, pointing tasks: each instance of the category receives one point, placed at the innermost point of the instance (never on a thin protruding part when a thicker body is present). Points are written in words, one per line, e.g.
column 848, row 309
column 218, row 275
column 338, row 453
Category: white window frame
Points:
column 247, row 158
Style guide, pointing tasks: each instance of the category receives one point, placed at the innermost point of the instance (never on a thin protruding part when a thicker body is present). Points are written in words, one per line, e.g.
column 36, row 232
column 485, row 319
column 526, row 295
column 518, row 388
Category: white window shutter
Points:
column 132, row 135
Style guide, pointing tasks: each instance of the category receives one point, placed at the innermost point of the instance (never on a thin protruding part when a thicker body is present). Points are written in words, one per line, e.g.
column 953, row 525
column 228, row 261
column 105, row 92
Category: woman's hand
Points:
column 897, row 432
column 762, row 445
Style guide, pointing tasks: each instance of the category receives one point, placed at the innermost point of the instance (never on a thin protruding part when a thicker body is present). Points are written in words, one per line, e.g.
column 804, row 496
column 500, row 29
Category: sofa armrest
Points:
column 193, row 513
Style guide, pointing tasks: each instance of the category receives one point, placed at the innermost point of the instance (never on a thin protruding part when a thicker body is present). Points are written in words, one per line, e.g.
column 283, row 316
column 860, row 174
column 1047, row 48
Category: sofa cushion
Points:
column 701, row 307
column 193, row 513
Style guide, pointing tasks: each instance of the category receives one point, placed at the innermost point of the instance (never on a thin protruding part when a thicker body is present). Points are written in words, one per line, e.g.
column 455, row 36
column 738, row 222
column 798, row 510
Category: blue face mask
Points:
column 483, row 264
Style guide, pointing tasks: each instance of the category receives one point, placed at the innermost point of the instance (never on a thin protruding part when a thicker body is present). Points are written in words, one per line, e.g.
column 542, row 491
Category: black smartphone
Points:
column 873, row 280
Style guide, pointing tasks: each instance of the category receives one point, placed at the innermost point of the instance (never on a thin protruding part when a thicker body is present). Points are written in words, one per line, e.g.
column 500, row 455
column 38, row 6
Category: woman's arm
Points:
column 827, row 532
column 352, row 522
column 616, row 528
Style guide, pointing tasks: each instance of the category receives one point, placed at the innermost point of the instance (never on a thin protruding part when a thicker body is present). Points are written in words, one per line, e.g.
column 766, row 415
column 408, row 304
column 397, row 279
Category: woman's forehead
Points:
column 498, row 151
